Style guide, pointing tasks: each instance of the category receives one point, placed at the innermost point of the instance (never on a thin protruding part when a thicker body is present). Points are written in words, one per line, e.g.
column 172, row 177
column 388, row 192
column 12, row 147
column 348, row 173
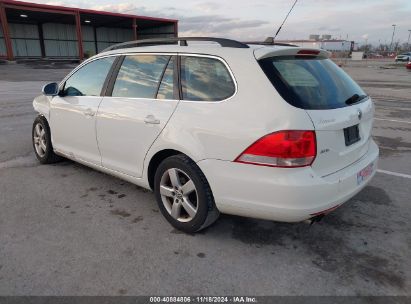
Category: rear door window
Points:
column 312, row 83
column 167, row 88
column 139, row 76
column 205, row 79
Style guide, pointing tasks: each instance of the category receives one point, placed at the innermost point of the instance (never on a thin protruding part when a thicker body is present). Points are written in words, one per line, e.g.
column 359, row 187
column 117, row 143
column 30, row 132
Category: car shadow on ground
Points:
column 343, row 243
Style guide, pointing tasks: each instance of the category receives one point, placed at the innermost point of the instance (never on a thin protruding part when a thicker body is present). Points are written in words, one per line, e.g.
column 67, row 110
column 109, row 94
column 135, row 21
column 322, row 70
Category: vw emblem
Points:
column 359, row 113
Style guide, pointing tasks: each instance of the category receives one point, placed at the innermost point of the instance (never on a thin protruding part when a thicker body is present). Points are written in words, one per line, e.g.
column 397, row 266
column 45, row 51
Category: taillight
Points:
column 289, row 148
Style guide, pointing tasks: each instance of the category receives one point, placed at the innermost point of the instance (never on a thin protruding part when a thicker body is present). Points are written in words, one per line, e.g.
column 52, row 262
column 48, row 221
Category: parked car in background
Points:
column 408, row 66
column 372, row 56
column 272, row 132
column 403, row 57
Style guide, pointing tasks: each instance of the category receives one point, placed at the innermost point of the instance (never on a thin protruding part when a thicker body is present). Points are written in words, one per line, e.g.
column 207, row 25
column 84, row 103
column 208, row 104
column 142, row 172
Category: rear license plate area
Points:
column 351, row 135
column 365, row 173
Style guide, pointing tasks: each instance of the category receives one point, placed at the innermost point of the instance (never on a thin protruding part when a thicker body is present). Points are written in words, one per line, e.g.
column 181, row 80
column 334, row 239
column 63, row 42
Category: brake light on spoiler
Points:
column 308, row 53
column 287, row 149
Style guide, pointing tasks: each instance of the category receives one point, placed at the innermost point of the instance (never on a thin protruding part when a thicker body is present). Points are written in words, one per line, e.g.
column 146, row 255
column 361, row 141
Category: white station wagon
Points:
column 271, row 132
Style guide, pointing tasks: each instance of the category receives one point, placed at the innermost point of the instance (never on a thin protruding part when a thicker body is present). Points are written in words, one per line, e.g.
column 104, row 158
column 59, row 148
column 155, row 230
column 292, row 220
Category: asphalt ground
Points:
column 66, row 229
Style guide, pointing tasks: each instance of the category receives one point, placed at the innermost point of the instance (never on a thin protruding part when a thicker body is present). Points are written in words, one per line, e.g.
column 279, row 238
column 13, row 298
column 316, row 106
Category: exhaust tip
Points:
column 314, row 219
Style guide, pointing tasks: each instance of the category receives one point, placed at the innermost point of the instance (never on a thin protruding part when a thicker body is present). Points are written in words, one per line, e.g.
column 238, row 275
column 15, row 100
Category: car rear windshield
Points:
column 311, row 83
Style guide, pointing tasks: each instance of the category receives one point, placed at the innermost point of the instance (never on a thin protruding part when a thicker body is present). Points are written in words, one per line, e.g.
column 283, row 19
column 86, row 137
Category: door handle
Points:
column 89, row 113
column 150, row 119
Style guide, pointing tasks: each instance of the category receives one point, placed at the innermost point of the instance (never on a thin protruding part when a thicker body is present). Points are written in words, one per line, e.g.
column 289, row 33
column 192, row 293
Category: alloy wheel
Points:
column 179, row 195
column 39, row 139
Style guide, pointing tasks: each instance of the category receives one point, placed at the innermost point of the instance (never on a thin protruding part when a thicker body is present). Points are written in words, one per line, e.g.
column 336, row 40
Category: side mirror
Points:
column 51, row 89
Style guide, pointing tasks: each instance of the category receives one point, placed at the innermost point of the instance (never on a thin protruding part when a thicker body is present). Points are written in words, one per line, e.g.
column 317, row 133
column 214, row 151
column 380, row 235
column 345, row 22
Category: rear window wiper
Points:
column 355, row 98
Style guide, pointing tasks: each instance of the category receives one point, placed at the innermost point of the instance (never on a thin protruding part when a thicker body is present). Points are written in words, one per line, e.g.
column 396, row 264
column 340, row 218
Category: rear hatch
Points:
column 341, row 113
column 343, row 136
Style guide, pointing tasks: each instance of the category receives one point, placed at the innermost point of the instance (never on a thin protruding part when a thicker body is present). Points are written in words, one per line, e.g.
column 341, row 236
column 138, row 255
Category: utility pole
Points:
column 392, row 38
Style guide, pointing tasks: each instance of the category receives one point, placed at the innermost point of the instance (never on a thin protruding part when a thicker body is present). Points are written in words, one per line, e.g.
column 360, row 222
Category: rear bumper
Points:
column 281, row 194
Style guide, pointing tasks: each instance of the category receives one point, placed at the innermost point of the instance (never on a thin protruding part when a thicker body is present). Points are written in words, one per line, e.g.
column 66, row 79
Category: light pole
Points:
column 408, row 43
column 365, row 50
column 392, row 38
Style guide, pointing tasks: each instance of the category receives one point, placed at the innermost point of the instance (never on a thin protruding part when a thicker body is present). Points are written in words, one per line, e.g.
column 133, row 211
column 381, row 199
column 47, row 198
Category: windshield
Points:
column 311, row 83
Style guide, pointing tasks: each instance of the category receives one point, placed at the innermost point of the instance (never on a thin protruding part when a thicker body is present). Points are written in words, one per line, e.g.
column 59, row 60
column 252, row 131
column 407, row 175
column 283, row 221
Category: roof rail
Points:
column 174, row 40
column 270, row 43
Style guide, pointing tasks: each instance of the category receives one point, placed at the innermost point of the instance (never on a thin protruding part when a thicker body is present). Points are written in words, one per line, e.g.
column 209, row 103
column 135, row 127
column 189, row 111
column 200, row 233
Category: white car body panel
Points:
column 41, row 105
column 265, row 52
column 116, row 140
column 73, row 121
column 332, row 154
column 282, row 194
column 241, row 119
column 124, row 131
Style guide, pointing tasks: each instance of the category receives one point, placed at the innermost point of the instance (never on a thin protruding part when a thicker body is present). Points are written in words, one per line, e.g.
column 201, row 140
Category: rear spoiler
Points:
column 266, row 52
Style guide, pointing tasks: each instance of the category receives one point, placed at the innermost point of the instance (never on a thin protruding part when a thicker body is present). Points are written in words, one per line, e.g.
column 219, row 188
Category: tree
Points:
column 396, row 46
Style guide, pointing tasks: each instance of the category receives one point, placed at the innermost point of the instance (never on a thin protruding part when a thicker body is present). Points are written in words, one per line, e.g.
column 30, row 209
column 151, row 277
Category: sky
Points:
column 365, row 20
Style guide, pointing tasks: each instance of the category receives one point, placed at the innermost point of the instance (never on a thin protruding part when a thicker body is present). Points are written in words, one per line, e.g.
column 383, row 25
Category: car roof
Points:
column 209, row 46
column 201, row 49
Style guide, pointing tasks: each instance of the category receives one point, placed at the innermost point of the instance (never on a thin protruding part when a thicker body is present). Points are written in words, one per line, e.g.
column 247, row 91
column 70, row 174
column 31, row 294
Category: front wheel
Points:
column 184, row 195
column 42, row 145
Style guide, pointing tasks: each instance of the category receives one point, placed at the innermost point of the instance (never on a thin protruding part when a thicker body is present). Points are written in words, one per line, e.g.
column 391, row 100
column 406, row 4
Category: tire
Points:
column 41, row 138
column 185, row 209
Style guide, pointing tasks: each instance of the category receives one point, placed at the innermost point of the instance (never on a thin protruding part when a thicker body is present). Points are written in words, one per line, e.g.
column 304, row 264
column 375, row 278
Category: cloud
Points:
column 58, row 3
column 208, row 7
column 329, row 29
column 374, row 18
column 216, row 25
column 198, row 25
column 118, row 8
column 245, row 20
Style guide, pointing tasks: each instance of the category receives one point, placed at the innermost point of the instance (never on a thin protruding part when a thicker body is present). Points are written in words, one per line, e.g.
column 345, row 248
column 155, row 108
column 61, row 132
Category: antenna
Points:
column 285, row 19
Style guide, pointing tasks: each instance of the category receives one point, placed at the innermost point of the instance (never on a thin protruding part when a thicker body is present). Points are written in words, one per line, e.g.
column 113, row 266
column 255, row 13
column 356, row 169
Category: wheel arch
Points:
column 41, row 105
column 156, row 160
column 47, row 119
